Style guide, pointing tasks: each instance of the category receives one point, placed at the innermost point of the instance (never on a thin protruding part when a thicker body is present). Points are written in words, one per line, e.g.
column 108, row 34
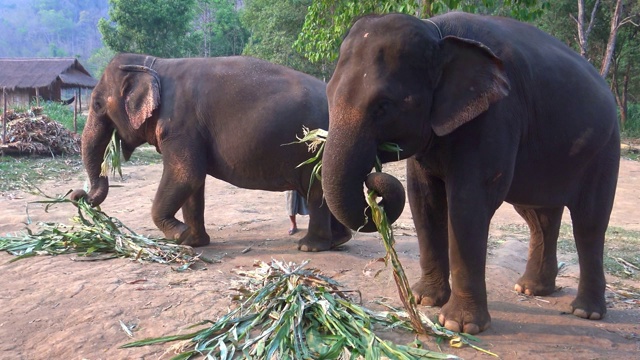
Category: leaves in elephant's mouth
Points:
column 95, row 233
column 315, row 140
column 112, row 157
column 287, row 311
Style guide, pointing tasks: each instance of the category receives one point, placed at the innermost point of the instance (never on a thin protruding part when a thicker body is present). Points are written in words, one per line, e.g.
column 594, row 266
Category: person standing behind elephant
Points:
column 224, row 117
column 296, row 205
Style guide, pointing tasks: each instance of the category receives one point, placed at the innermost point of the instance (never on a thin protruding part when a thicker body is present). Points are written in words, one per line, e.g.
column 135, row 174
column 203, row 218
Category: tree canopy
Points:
column 217, row 28
column 591, row 36
column 155, row 27
column 274, row 26
column 605, row 32
column 328, row 20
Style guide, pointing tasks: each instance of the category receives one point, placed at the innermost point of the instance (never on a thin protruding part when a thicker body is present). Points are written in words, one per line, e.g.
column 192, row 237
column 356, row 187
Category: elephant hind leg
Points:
column 590, row 216
column 193, row 214
column 340, row 233
column 181, row 186
column 590, row 211
column 589, row 233
column 319, row 239
column 542, row 264
column 325, row 231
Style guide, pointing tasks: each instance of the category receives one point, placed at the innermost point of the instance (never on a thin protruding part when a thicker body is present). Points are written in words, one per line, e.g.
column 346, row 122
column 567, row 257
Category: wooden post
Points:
column 75, row 115
column 37, row 97
column 80, row 100
column 4, row 116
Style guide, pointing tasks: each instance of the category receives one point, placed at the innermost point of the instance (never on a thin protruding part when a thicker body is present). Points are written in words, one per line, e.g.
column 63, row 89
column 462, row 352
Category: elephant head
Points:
column 124, row 99
column 397, row 80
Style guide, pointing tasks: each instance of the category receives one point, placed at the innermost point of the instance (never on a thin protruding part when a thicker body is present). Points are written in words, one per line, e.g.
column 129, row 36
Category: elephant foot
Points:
column 533, row 286
column 338, row 241
column 340, row 236
column 186, row 236
column 428, row 294
column 592, row 308
column 314, row 244
column 464, row 316
column 310, row 243
column 194, row 240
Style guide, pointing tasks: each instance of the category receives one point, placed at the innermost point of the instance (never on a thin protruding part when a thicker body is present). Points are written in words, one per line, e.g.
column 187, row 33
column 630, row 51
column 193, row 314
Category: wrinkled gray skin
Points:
column 486, row 110
column 224, row 117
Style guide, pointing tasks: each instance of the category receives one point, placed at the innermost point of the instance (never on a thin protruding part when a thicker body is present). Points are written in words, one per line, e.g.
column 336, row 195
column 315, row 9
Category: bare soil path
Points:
column 63, row 308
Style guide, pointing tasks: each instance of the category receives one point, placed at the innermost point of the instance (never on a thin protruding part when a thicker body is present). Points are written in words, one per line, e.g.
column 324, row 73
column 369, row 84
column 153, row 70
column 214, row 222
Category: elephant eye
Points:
column 97, row 105
column 382, row 108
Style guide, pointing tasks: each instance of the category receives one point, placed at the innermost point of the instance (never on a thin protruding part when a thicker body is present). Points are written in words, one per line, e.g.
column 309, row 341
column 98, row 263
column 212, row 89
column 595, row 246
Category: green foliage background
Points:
column 328, row 20
column 301, row 34
column 274, row 26
column 155, row 27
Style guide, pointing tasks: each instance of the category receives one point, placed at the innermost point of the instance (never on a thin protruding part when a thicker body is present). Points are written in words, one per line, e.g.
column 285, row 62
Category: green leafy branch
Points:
column 112, row 161
column 289, row 312
column 327, row 21
column 93, row 232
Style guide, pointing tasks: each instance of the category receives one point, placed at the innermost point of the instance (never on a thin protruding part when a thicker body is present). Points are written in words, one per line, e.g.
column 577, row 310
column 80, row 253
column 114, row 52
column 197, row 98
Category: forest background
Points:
column 303, row 34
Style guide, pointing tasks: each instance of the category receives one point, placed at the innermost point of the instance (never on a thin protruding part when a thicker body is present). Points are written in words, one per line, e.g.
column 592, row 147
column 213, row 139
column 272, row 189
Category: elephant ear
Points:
column 141, row 93
column 472, row 78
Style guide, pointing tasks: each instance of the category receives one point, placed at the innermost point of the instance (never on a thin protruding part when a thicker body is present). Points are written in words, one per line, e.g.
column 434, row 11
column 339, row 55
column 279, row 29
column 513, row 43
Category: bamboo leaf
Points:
column 93, row 232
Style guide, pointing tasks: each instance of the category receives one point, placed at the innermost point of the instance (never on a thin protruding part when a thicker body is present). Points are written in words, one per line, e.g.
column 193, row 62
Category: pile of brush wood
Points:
column 33, row 133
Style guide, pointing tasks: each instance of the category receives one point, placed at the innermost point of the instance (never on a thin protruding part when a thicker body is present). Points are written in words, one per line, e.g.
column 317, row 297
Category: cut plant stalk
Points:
column 404, row 290
column 93, row 232
column 289, row 312
column 112, row 157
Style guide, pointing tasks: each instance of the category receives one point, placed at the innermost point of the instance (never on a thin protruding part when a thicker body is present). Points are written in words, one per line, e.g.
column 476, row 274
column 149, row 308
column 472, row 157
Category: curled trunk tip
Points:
column 391, row 191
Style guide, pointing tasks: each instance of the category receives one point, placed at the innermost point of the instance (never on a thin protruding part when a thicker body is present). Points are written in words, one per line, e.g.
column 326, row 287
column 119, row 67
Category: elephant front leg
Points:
column 467, row 310
column 427, row 199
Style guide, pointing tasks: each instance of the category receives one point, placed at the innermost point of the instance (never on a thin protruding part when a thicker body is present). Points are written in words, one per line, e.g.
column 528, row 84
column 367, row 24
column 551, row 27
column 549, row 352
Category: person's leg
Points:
column 294, row 227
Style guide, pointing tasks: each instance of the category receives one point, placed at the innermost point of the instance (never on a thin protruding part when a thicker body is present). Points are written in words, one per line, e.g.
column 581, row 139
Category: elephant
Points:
column 486, row 110
column 227, row 117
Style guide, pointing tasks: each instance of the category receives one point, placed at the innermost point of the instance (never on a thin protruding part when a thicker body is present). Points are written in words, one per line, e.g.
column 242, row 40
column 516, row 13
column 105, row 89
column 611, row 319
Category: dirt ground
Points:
column 63, row 308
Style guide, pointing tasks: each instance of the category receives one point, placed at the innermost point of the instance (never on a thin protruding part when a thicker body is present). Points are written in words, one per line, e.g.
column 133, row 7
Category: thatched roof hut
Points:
column 24, row 78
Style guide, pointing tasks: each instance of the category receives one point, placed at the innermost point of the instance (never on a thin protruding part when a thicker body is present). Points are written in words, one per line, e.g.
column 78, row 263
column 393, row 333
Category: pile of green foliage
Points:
column 286, row 311
column 95, row 233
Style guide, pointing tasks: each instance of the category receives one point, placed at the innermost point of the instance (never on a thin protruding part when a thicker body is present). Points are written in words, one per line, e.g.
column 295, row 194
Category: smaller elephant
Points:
column 225, row 117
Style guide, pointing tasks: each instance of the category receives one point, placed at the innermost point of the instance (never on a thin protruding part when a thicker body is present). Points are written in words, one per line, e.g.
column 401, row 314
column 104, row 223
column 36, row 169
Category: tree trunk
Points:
column 583, row 34
column 621, row 94
column 424, row 9
column 611, row 43
column 4, row 116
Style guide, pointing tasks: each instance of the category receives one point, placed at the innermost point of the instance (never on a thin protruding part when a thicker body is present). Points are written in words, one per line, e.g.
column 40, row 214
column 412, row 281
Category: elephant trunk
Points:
column 348, row 158
column 95, row 138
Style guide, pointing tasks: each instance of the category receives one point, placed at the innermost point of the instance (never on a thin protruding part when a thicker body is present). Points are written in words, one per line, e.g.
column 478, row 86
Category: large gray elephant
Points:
column 486, row 110
column 225, row 117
